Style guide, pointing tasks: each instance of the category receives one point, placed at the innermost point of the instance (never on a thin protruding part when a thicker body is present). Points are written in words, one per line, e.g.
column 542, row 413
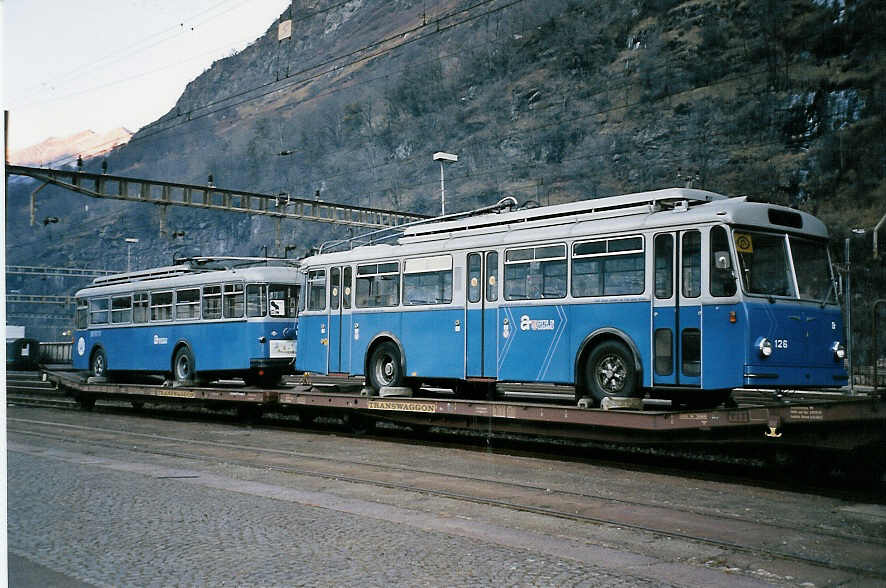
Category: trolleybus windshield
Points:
column 768, row 262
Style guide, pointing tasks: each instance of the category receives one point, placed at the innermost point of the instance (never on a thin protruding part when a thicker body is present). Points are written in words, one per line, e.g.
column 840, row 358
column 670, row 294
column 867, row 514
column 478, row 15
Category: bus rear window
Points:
column 283, row 300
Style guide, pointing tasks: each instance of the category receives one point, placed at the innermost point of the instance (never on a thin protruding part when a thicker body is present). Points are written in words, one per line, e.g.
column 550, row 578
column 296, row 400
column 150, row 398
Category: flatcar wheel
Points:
column 358, row 424
column 98, row 365
column 610, row 371
column 183, row 366
column 87, row 403
column 384, row 366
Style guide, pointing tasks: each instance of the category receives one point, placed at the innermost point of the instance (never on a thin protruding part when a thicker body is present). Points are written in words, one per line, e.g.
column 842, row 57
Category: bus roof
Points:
column 660, row 209
column 171, row 277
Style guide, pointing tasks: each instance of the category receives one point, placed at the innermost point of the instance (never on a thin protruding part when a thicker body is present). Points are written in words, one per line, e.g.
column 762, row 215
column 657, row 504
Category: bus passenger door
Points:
column 481, row 315
column 339, row 350
column 676, row 319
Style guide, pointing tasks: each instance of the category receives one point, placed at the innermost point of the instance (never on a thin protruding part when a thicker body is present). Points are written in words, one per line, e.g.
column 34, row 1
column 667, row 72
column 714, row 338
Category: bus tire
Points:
column 610, row 372
column 98, row 364
column 183, row 366
column 385, row 368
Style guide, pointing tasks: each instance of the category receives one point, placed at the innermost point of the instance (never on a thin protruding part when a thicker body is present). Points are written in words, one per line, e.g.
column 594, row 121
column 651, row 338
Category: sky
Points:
column 73, row 65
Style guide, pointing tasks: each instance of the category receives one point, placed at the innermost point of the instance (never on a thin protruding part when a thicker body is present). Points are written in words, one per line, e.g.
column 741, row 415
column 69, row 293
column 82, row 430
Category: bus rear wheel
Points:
column 183, row 366
column 610, row 372
column 385, row 368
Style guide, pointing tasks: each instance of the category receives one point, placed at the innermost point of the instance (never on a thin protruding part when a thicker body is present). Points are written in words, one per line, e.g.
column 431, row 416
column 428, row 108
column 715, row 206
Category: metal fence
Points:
column 56, row 352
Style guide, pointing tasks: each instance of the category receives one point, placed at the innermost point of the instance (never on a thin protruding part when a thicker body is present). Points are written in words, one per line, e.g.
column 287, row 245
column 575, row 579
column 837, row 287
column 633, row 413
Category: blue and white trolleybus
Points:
column 192, row 322
column 681, row 293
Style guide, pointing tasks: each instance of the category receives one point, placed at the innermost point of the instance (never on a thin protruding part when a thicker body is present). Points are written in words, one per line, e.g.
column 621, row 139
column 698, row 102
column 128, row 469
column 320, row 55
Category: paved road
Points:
column 112, row 516
column 152, row 526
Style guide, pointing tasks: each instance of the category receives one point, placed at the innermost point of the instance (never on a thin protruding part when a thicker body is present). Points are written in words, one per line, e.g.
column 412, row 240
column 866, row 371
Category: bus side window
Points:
column 232, row 301
column 98, row 311
column 317, row 290
column 664, row 267
column 256, row 300
column 474, row 277
column 492, row 276
column 121, row 309
column 427, row 280
column 212, row 306
column 535, row 272
column 608, row 267
column 691, row 264
column 378, row 285
column 140, row 307
column 335, row 284
column 82, row 314
column 722, row 276
column 187, row 304
column 347, row 287
column 161, row 306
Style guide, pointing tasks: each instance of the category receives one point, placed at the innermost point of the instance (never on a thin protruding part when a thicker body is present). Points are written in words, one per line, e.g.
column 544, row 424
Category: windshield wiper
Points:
column 827, row 296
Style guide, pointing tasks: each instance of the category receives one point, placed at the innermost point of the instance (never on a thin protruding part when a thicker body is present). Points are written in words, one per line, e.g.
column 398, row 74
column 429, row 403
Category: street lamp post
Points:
column 441, row 157
column 129, row 242
column 848, row 286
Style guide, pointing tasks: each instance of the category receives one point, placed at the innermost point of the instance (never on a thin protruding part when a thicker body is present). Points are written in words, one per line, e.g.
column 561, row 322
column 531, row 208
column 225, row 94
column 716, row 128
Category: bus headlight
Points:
column 839, row 351
column 765, row 347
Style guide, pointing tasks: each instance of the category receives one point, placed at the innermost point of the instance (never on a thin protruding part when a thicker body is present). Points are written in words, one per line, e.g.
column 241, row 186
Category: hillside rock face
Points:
column 546, row 100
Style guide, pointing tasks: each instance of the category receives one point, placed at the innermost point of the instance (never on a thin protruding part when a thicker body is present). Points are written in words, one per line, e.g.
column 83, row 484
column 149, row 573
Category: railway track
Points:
column 815, row 549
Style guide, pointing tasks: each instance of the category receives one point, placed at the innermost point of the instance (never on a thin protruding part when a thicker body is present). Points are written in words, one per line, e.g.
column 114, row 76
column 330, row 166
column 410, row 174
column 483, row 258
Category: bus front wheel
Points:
column 385, row 368
column 98, row 365
column 610, row 371
column 183, row 366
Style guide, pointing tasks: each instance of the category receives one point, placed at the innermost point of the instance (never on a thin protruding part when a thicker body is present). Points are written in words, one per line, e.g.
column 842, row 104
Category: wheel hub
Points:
column 611, row 374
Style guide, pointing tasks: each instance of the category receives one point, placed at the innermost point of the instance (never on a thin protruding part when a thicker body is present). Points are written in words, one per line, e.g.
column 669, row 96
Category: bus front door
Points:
column 339, row 349
column 676, row 318
column 481, row 315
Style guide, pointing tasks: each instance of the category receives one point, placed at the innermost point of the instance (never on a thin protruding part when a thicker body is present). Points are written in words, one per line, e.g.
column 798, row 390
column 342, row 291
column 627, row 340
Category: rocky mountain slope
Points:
column 549, row 101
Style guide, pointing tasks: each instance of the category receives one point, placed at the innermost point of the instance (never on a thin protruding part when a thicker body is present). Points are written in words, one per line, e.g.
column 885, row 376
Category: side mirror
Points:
column 722, row 260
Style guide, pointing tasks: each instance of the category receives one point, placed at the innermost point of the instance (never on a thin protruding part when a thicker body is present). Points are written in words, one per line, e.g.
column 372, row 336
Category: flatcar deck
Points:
column 845, row 423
